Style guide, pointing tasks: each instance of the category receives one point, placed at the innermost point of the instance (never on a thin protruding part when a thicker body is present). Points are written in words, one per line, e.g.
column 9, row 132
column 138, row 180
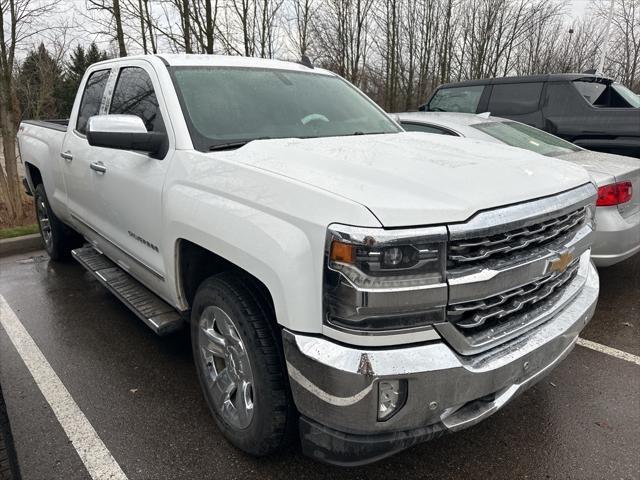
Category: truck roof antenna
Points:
column 304, row 60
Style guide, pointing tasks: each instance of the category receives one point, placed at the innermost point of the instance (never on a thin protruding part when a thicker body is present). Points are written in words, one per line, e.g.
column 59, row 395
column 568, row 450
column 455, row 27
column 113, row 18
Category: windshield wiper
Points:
column 370, row 133
column 228, row 145
column 233, row 145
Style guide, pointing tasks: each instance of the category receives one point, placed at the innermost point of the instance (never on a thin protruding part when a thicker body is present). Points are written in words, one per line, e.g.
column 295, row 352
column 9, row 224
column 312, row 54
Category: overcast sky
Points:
column 74, row 12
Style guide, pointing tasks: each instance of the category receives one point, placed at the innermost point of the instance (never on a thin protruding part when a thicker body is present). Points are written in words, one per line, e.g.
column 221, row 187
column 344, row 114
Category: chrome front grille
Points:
column 466, row 252
column 501, row 307
column 502, row 267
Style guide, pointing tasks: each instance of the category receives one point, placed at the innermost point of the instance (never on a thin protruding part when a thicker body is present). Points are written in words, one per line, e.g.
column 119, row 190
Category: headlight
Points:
column 381, row 280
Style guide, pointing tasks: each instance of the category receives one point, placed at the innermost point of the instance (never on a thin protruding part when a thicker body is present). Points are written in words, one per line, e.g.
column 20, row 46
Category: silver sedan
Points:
column 617, row 177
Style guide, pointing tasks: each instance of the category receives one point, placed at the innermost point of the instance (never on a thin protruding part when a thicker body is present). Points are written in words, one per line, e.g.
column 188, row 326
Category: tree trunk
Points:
column 122, row 49
column 187, row 27
column 9, row 182
column 209, row 26
column 142, row 28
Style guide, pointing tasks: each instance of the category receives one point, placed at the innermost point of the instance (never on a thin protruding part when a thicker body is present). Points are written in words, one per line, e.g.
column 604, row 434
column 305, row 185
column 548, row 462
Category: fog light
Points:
column 392, row 395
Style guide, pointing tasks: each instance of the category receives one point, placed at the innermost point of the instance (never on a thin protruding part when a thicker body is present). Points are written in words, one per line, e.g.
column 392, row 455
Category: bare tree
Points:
column 300, row 35
column 342, row 33
column 112, row 8
column 22, row 20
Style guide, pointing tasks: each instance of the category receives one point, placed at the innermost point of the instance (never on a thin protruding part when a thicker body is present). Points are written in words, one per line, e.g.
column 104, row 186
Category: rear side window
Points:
column 456, row 99
column 134, row 95
column 91, row 98
column 515, row 98
column 591, row 91
column 418, row 127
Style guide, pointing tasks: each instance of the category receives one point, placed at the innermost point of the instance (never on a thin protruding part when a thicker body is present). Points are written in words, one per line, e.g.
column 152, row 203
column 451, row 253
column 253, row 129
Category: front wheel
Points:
column 239, row 360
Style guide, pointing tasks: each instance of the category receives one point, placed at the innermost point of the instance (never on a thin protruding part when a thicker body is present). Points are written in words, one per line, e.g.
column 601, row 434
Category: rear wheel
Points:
column 240, row 366
column 58, row 239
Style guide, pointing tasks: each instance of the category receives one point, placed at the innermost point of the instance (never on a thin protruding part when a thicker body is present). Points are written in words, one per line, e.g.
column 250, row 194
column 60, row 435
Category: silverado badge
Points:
column 561, row 263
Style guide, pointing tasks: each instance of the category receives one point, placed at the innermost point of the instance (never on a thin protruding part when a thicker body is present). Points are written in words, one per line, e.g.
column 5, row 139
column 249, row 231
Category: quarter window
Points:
column 91, row 98
column 134, row 95
column 515, row 98
column 456, row 99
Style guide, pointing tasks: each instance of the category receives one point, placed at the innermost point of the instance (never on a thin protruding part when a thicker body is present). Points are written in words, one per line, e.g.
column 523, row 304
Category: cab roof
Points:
column 202, row 60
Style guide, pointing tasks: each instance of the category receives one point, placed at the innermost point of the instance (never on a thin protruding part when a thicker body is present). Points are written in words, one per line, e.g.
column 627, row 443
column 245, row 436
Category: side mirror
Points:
column 125, row 132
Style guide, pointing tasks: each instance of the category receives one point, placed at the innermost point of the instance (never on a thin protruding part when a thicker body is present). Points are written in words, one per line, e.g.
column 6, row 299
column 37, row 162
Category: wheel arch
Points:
column 33, row 174
column 195, row 263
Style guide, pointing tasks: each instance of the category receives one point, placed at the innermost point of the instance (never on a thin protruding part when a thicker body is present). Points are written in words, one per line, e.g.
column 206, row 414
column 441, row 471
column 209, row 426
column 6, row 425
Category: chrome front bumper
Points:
column 335, row 386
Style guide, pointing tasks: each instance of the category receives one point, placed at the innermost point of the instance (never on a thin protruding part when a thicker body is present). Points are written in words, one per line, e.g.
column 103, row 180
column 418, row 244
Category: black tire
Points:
column 57, row 238
column 9, row 469
column 239, row 296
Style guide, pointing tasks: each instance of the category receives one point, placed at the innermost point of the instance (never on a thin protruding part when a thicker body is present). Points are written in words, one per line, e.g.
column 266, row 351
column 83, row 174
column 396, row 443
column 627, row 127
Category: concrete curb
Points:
column 26, row 243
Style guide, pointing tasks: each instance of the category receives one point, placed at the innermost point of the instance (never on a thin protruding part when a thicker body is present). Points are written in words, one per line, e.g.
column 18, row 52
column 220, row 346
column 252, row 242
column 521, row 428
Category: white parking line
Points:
column 614, row 352
column 94, row 454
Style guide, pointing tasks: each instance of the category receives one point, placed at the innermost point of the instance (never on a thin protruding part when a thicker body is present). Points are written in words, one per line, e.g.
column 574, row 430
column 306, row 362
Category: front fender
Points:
column 272, row 227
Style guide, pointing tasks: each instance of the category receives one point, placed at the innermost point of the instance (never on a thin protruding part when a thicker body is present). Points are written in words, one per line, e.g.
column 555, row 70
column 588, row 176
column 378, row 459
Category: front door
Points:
column 128, row 184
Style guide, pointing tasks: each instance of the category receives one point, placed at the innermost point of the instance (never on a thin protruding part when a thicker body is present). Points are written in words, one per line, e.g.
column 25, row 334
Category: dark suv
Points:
column 589, row 110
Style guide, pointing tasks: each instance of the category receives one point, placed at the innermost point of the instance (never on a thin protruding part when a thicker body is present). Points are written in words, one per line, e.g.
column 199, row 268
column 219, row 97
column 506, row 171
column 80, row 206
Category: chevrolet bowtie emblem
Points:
column 561, row 263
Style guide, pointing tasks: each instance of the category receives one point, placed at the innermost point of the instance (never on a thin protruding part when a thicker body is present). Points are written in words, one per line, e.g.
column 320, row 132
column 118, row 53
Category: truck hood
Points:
column 604, row 167
column 410, row 179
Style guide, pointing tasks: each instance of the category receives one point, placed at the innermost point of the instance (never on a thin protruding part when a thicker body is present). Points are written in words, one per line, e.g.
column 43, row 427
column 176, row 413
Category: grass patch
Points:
column 18, row 231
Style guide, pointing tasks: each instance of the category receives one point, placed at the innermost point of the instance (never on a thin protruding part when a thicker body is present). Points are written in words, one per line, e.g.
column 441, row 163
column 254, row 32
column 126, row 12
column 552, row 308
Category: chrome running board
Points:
column 161, row 317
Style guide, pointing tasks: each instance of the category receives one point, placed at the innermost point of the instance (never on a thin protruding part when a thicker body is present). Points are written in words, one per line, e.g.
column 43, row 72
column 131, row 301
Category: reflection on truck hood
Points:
column 409, row 179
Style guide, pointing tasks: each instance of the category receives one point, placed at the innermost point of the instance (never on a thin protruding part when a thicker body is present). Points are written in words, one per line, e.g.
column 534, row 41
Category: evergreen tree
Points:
column 79, row 61
column 39, row 84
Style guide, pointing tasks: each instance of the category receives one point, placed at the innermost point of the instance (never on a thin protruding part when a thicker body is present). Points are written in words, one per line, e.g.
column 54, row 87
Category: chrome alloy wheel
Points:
column 225, row 362
column 44, row 222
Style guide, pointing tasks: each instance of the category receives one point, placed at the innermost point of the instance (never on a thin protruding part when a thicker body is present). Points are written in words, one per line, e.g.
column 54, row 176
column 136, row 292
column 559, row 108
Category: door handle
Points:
column 67, row 156
column 98, row 167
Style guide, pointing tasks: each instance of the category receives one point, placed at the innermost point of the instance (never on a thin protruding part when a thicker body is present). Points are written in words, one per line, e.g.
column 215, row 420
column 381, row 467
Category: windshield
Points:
column 456, row 99
column 229, row 105
column 530, row 138
column 628, row 95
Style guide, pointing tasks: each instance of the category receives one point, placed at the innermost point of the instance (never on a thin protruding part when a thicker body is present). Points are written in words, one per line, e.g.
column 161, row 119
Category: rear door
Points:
column 517, row 101
column 129, row 189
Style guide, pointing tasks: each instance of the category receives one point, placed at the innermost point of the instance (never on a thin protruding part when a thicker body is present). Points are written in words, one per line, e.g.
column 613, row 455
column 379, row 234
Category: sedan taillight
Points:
column 614, row 194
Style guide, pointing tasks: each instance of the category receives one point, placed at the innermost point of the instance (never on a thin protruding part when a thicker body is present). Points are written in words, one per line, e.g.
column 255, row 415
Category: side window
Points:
column 515, row 98
column 592, row 92
column 418, row 127
column 456, row 99
column 91, row 98
column 134, row 95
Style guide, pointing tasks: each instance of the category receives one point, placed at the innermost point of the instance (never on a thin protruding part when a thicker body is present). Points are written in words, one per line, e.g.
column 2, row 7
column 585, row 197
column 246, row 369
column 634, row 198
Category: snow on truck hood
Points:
column 410, row 179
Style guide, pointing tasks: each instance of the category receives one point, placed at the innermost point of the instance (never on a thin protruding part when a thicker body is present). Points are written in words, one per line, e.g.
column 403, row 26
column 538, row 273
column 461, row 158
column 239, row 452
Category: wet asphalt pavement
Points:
column 141, row 395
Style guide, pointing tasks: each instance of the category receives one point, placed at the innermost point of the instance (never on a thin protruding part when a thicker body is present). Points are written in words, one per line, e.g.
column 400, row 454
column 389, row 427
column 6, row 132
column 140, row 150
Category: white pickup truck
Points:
column 367, row 287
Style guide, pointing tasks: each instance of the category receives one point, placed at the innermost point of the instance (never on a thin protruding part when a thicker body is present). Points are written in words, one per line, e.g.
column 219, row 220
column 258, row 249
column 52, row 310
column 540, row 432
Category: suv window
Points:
column 420, row 127
column 591, row 91
column 514, row 98
column 134, row 95
column 601, row 94
column 456, row 99
column 91, row 98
